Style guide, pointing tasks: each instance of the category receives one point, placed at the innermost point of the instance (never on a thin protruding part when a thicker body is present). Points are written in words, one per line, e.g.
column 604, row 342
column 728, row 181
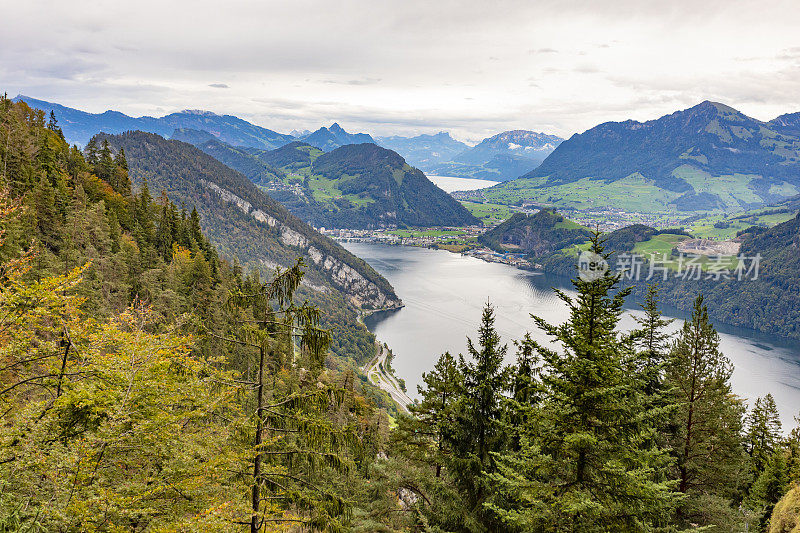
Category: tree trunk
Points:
column 255, row 525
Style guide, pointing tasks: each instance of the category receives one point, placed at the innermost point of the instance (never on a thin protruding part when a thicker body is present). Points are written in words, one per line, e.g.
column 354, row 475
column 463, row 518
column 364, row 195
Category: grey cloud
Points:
column 219, row 85
column 361, row 81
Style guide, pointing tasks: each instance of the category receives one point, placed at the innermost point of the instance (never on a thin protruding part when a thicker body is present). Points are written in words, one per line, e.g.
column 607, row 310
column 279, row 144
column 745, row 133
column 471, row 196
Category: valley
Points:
column 400, row 267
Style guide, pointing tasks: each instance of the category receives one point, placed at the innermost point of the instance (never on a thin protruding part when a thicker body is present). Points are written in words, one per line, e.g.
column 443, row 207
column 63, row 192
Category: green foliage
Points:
column 363, row 186
column 708, row 420
column 538, row 235
column 123, row 406
column 181, row 170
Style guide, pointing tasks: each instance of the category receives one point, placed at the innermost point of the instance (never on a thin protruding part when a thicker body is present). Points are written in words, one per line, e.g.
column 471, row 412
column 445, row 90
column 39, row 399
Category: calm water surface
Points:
column 451, row 183
column 444, row 294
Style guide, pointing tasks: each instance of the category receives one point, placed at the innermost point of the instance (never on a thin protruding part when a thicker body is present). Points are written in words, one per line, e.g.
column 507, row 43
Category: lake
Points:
column 444, row 294
column 451, row 183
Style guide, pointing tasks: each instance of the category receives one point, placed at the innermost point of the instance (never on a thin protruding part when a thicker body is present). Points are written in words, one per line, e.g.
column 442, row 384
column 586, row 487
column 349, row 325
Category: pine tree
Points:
column 708, row 418
column 293, row 438
column 763, row 432
column 653, row 344
column 770, row 486
column 52, row 125
column 92, row 152
column 588, row 463
column 476, row 432
column 435, row 413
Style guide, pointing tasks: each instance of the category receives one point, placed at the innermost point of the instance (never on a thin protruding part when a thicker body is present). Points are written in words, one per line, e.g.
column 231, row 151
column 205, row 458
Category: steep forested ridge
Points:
column 246, row 224
column 240, row 159
column 362, row 186
column 145, row 383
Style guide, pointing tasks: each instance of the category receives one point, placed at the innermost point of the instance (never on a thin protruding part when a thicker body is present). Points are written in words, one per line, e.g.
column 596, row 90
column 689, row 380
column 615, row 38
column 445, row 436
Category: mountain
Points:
column 788, row 124
column 79, row 126
column 502, row 157
column 248, row 226
column 708, row 157
column 526, row 144
column 191, row 136
column 240, row 159
column 331, row 138
column 425, row 151
column 537, row 235
column 359, row 186
column 292, row 157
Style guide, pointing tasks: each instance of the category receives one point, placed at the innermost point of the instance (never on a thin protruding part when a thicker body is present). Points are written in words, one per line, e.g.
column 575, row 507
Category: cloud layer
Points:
column 386, row 67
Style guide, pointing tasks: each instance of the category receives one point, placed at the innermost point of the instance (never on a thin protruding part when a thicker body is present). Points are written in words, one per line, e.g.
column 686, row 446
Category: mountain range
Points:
column 705, row 158
column 79, row 126
column 502, row 157
column 425, row 151
column 331, row 138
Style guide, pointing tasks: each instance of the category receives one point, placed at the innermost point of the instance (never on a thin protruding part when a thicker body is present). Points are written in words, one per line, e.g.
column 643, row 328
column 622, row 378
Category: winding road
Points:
column 376, row 372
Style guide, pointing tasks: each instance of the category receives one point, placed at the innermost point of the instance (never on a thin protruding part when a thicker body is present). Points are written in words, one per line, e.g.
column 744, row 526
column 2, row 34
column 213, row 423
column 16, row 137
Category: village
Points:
column 461, row 240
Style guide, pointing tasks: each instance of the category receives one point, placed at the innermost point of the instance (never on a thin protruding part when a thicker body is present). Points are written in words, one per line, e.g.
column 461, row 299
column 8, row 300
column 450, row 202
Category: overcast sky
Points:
column 473, row 68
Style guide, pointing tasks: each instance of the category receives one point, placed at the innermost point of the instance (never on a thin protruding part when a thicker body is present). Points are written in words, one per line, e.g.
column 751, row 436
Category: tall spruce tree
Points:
column 476, row 431
column 435, row 414
column 588, row 463
column 763, row 432
column 653, row 343
column 707, row 441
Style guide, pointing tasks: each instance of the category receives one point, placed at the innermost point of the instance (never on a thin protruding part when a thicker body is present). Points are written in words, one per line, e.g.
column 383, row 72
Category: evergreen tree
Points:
column 52, row 125
column 476, row 432
column 588, row 463
column 92, row 152
column 770, row 486
column 708, row 419
column 293, row 438
column 763, row 432
column 435, row 413
column 653, row 344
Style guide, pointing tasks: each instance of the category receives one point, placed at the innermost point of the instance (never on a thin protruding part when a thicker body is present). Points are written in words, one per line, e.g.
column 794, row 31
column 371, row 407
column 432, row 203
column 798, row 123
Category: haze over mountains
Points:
column 501, row 157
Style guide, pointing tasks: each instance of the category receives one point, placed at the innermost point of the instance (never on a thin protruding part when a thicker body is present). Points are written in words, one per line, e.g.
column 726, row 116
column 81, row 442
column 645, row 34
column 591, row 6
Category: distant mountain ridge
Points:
column 502, row 157
column 335, row 136
column 425, row 151
column 521, row 143
column 79, row 126
column 680, row 150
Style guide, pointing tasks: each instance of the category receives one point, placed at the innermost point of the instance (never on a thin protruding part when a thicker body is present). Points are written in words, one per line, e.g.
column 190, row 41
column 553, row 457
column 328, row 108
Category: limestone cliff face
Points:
column 362, row 292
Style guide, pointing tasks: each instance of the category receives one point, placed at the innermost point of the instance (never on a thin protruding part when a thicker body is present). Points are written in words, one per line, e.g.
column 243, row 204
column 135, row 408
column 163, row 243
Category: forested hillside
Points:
column 537, row 235
column 147, row 384
column 248, row 225
column 770, row 303
column 355, row 186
